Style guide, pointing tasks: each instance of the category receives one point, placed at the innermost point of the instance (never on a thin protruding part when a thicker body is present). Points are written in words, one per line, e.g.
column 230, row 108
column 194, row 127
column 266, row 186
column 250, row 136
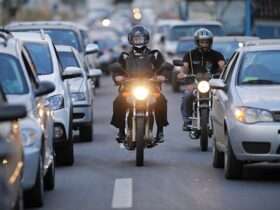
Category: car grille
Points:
column 256, row 147
column 276, row 116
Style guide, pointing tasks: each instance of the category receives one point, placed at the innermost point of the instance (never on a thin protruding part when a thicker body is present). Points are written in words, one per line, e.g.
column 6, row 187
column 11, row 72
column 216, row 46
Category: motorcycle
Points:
column 141, row 95
column 201, row 126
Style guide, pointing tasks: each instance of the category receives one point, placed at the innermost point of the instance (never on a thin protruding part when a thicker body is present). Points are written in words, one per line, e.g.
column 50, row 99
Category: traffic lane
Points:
column 176, row 174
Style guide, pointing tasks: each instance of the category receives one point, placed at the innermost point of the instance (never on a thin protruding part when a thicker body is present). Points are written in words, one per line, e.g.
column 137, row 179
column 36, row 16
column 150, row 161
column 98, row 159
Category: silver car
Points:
column 21, row 85
column 81, row 92
column 246, row 110
column 44, row 57
column 11, row 155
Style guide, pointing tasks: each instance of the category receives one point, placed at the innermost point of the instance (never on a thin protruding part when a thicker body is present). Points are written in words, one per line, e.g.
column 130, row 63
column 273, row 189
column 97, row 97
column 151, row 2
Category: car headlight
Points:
column 140, row 93
column 252, row 115
column 203, row 87
column 78, row 96
column 56, row 102
column 29, row 136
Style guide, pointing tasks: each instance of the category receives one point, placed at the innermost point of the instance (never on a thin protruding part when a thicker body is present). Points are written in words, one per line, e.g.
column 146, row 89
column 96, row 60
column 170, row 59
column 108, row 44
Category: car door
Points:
column 220, row 100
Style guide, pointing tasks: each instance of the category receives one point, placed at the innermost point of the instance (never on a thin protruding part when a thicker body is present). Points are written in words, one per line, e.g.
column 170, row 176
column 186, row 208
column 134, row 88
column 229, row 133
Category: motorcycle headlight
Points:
column 56, row 102
column 140, row 93
column 252, row 115
column 203, row 87
column 78, row 96
column 29, row 136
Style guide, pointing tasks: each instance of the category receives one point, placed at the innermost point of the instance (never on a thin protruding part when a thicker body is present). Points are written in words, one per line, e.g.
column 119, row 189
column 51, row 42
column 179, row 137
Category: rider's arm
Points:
column 185, row 69
column 118, row 69
column 159, row 64
column 221, row 62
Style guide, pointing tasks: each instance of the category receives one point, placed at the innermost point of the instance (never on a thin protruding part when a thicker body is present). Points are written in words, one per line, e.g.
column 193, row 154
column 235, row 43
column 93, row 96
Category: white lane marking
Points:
column 122, row 196
column 122, row 146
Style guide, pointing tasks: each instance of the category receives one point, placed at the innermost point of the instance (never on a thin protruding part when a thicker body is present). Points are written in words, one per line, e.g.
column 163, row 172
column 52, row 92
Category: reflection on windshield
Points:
column 178, row 32
column 67, row 59
column 12, row 78
column 261, row 68
column 41, row 57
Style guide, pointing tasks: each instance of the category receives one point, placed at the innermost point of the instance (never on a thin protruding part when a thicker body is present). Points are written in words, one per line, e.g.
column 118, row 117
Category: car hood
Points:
column 77, row 84
column 265, row 97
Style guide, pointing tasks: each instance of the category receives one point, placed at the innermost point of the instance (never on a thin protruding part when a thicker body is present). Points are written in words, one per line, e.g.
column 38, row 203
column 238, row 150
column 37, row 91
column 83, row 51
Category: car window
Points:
column 260, row 68
column 68, row 59
column 231, row 68
column 223, row 76
column 226, row 48
column 41, row 57
column 12, row 76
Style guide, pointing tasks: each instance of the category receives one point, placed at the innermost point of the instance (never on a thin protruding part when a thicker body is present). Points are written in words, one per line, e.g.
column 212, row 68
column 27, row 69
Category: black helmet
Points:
column 203, row 34
column 139, row 36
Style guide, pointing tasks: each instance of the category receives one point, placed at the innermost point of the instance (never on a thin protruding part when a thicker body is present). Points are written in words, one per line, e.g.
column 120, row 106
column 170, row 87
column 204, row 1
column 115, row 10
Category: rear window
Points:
column 68, row 59
column 41, row 57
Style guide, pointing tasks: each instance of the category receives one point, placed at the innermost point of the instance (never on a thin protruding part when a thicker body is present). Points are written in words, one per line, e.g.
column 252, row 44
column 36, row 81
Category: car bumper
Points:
column 256, row 142
column 31, row 163
column 82, row 114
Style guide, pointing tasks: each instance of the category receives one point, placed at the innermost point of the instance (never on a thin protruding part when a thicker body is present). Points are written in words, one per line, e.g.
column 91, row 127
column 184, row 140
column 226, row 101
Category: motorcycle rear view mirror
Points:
column 178, row 63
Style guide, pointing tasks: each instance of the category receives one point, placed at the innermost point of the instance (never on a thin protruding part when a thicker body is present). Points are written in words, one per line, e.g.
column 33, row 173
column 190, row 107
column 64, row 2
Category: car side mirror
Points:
column 91, row 49
column 9, row 112
column 72, row 72
column 178, row 63
column 44, row 88
column 217, row 84
column 94, row 73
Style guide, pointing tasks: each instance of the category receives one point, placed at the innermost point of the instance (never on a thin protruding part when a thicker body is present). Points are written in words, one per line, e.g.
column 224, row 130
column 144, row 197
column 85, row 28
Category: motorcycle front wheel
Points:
column 204, row 129
column 140, row 144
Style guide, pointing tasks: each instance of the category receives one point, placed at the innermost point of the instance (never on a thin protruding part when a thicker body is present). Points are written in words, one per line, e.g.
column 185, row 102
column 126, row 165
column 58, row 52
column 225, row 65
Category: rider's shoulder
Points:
column 215, row 52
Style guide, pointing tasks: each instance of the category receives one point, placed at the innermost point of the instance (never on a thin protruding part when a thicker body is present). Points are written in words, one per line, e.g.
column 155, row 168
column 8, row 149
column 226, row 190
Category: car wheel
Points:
column 218, row 157
column 67, row 154
column 233, row 167
column 35, row 196
column 50, row 177
column 86, row 133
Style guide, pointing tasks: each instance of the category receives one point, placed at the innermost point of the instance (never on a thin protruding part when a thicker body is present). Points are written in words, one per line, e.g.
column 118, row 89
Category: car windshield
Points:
column 260, row 68
column 12, row 77
column 65, row 37
column 226, row 48
column 67, row 59
column 41, row 57
column 185, row 46
column 178, row 32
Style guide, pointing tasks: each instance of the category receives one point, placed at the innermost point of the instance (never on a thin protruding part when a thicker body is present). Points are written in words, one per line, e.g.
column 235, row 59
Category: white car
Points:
column 21, row 85
column 44, row 57
column 81, row 91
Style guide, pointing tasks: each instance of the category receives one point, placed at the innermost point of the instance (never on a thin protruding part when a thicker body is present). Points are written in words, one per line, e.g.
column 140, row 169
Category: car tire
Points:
column 49, row 182
column 233, row 167
column 218, row 157
column 67, row 155
column 97, row 82
column 86, row 133
column 35, row 196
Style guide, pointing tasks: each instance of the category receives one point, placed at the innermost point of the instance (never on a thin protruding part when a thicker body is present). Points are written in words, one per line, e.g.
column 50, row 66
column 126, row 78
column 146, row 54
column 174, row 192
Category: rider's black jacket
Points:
column 202, row 62
column 146, row 64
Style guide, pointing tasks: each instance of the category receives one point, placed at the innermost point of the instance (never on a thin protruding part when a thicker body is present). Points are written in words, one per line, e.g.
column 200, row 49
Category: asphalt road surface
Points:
column 176, row 175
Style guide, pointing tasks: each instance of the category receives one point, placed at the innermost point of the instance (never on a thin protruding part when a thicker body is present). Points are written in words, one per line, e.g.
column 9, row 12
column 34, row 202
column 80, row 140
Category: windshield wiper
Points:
column 260, row 82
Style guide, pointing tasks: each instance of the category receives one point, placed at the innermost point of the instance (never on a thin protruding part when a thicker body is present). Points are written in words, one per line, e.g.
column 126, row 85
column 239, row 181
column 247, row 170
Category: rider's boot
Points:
column 121, row 136
column 160, row 135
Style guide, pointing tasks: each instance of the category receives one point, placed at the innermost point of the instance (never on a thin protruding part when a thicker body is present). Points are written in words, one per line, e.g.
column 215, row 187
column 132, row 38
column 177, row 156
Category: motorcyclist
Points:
column 202, row 59
column 140, row 60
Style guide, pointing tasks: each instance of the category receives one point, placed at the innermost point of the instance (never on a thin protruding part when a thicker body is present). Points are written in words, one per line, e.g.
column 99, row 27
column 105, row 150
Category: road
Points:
column 176, row 175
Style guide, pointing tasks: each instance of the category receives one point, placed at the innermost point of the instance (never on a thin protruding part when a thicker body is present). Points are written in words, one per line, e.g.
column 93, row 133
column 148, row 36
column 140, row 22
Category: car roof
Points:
column 43, row 24
column 263, row 42
column 234, row 38
column 169, row 22
column 259, row 48
column 198, row 22
column 32, row 36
